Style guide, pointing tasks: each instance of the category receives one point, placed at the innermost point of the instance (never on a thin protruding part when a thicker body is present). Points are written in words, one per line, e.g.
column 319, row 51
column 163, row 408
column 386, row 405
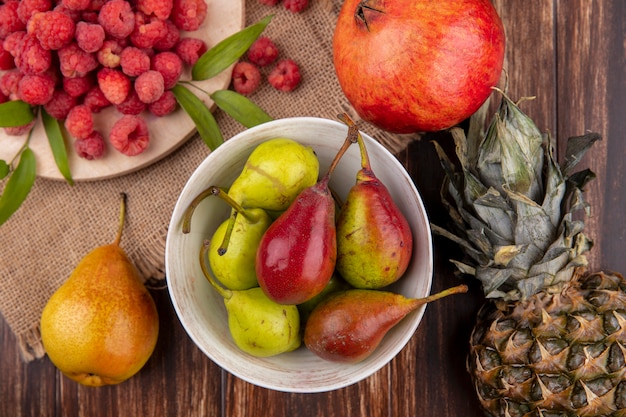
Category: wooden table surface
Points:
column 570, row 54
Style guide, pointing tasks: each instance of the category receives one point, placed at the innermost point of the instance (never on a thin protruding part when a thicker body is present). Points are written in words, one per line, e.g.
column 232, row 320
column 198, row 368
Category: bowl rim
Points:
column 241, row 372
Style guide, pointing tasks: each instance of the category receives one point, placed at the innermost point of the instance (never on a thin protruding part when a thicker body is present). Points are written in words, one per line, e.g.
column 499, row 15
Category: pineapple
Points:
column 551, row 337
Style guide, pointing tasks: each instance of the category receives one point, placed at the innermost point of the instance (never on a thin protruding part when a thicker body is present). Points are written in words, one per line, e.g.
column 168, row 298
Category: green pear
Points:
column 274, row 174
column 261, row 327
column 258, row 325
column 235, row 269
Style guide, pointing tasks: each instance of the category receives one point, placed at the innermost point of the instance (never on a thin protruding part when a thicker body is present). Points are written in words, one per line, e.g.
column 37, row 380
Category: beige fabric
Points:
column 58, row 224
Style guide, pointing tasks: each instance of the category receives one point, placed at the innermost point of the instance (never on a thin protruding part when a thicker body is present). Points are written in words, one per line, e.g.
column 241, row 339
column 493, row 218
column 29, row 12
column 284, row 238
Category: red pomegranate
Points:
column 417, row 65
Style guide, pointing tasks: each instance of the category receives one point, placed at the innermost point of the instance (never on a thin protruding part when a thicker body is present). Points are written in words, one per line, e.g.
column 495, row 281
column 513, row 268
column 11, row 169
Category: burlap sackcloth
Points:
column 58, row 223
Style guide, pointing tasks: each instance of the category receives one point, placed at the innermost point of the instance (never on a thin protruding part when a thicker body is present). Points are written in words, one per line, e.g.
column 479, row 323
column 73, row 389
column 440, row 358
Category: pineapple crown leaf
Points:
column 511, row 204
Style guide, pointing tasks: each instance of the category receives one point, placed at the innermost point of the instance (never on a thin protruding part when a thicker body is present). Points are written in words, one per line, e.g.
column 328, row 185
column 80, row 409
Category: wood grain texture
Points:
column 571, row 55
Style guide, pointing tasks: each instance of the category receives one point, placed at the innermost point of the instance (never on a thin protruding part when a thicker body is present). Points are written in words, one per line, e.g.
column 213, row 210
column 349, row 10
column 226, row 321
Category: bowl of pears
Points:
column 299, row 255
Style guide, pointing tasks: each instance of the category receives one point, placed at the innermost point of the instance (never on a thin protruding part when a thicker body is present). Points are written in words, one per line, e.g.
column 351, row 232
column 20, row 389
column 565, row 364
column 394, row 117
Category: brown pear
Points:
column 101, row 326
column 349, row 325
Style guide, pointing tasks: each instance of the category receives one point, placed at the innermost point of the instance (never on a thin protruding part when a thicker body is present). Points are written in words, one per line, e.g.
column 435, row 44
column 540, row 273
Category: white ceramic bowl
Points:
column 201, row 310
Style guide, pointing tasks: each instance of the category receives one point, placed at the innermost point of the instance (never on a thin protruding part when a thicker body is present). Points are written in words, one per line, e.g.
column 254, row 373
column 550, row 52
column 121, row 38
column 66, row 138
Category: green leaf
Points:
column 4, row 169
column 228, row 51
column 18, row 186
column 57, row 145
column 15, row 113
column 201, row 116
column 240, row 108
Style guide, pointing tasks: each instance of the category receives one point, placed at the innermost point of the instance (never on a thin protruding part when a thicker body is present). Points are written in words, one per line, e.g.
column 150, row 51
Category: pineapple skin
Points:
column 551, row 339
column 554, row 355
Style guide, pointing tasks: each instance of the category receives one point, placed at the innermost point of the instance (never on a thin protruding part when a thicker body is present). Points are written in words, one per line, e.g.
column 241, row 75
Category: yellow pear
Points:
column 101, row 326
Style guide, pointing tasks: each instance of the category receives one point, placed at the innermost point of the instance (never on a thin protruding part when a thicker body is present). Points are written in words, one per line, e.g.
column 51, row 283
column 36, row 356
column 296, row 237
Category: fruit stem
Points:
column 351, row 138
column 120, row 226
column 217, row 191
column 229, row 231
column 365, row 159
column 192, row 207
column 224, row 292
column 236, row 209
column 459, row 289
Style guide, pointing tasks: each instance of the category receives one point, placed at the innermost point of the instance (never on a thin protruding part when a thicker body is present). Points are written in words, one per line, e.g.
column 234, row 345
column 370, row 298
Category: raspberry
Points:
column 117, row 18
column 263, row 52
column 12, row 42
column 54, row 29
column 190, row 50
column 149, row 86
column 170, row 66
column 114, row 84
column 76, row 4
column 295, row 6
column 88, row 16
column 269, row 2
column 109, row 55
column 95, row 99
column 35, row 89
column 188, row 14
column 76, row 15
column 165, row 105
column 60, row 104
column 77, row 86
column 89, row 36
column 9, row 19
column 246, row 78
column 6, row 60
column 79, row 121
column 27, row 8
column 159, row 8
column 91, row 147
column 131, row 105
column 134, row 61
column 19, row 130
column 130, row 135
column 147, row 31
column 74, row 62
column 9, row 83
column 285, row 76
column 96, row 5
column 31, row 57
column 170, row 39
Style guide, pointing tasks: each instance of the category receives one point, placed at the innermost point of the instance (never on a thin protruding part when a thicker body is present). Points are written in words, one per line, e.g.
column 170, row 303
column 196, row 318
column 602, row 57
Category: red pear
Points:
column 374, row 239
column 349, row 325
column 297, row 254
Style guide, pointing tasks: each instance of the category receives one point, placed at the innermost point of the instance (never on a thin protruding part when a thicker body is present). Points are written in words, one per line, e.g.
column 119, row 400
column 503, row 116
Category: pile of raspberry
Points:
column 246, row 77
column 295, row 6
column 77, row 57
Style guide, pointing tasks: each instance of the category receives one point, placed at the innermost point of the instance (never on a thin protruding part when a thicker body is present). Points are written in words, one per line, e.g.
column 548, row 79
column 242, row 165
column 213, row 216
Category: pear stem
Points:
column 228, row 233
column 365, row 159
column 351, row 138
column 214, row 190
column 120, row 226
column 192, row 207
column 236, row 209
column 459, row 289
column 224, row 292
column 235, row 205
